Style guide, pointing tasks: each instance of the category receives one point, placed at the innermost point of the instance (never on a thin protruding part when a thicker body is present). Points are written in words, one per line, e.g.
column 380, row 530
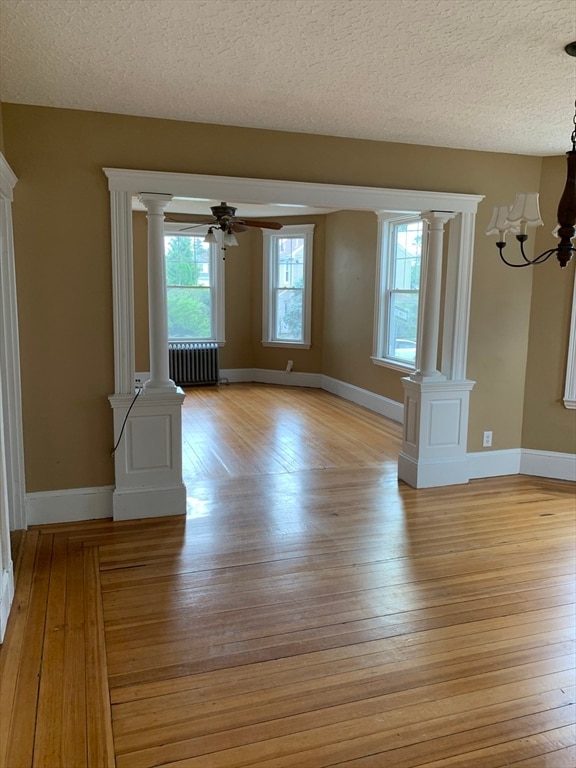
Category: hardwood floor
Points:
column 310, row 611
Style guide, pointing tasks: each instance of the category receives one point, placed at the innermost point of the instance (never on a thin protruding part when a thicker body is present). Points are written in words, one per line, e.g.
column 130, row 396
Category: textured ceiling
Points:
column 480, row 74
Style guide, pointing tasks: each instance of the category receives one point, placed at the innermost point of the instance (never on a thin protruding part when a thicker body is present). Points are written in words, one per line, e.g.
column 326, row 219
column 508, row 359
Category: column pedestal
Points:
column 148, row 460
column 435, row 433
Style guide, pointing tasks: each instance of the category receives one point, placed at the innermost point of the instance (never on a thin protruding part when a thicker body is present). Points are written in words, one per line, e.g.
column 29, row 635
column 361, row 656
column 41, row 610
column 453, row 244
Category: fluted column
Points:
column 431, row 297
column 157, row 305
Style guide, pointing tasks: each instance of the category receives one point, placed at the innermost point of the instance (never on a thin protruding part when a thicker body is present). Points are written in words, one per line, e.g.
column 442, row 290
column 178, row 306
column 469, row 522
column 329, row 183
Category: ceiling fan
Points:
column 224, row 218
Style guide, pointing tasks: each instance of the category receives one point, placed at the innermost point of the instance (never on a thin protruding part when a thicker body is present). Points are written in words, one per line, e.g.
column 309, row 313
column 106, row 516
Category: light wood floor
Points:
column 310, row 611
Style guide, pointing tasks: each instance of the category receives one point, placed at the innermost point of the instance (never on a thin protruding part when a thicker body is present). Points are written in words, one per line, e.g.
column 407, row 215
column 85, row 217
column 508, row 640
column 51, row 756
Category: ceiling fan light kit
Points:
column 525, row 212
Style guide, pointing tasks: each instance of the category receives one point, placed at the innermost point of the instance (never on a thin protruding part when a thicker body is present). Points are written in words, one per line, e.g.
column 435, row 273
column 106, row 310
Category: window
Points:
column 398, row 287
column 194, row 286
column 287, row 284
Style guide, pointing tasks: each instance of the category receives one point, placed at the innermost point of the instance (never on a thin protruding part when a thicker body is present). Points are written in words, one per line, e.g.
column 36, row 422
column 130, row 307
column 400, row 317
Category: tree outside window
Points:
column 189, row 287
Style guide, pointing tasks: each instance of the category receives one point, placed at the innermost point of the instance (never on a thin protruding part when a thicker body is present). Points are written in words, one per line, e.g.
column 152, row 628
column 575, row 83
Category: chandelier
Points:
column 525, row 212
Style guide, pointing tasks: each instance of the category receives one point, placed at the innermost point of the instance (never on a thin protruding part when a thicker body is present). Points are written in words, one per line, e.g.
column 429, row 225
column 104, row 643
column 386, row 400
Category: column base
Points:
column 434, row 446
column 148, row 459
column 432, row 473
column 149, row 502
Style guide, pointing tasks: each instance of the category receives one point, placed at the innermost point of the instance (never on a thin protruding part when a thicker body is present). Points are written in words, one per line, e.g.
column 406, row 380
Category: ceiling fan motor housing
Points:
column 223, row 211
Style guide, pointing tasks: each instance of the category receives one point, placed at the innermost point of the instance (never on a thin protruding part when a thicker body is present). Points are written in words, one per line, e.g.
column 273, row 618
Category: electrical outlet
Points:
column 140, row 379
column 487, row 439
column 289, row 366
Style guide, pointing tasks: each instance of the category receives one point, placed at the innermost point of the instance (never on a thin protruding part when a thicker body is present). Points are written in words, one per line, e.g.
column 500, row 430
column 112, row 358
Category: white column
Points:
column 435, row 409
column 148, row 428
column 157, row 306
column 431, row 297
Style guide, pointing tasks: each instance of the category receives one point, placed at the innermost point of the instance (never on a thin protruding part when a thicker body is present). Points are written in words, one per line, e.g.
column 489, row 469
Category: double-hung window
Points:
column 287, row 283
column 194, row 286
column 402, row 243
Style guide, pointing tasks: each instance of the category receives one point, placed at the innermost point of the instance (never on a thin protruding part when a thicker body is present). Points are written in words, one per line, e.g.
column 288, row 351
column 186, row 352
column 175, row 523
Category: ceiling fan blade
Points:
column 185, row 229
column 262, row 224
column 239, row 226
column 191, row 224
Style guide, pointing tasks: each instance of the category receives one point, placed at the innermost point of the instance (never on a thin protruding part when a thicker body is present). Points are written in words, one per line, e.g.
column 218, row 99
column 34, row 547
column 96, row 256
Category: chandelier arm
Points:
column 505, row 260
column 537, row 259
column 526, row 259
column 544, row 256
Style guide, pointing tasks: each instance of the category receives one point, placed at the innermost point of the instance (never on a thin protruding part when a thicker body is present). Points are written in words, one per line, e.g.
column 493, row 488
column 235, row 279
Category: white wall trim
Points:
column 570, row 390
column 458, row 291
column 6, row 597
column 296, row 192
column 10, row 386
column 122, row 291
column 494, row 463
column 266, row 376
column 377, row 403
column 558, row 466
column 69, row 505
column 76, row 504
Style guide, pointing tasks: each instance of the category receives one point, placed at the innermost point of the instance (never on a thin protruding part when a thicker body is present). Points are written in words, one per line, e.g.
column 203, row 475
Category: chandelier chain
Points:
column 573, row 137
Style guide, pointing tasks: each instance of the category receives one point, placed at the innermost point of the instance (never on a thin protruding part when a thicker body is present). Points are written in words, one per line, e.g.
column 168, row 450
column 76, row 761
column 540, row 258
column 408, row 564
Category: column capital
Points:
column 154, row 202
column 437, row 219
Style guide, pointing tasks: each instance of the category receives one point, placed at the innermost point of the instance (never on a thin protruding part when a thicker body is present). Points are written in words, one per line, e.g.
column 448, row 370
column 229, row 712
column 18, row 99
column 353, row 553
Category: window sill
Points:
column 286, row 344
column 393, row 364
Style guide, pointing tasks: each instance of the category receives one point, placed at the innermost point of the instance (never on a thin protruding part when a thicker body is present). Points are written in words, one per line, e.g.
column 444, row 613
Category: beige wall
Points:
column 62, row 237
column 548, row 425
column 350, row 278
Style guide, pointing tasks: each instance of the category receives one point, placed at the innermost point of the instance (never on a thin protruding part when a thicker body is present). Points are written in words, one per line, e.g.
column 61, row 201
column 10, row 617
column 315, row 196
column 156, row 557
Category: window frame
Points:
column 217, row 282
column 387, row 222
column 269, row 271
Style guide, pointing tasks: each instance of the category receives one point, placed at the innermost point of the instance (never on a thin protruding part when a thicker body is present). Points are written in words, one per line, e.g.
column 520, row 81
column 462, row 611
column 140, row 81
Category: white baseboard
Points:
column 494, row 463
column 377, row 403
column 432, row 473
column 77, row 504
column 6, row 597
column 558, row 466
column 236, row 375
column 265, row 376
column 69, row 505
column 136, row 503
column 292, row 379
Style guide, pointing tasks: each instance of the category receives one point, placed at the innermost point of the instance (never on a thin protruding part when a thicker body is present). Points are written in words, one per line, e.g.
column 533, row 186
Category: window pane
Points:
column 290, row 262
column 289, row 315
column 187, row 260
column 407, row 247
column 403, row 326
column 189, row 313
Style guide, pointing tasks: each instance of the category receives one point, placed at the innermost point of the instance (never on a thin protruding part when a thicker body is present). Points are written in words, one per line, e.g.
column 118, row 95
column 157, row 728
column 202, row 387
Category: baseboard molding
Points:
column 494, row 463
column 76, row 504
column 377, row 403
column 265, row 376
column 69, row 505
column 236, row 375
column 557, row 466
column 136, row 503
column 432, row 473
column 6, row 597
